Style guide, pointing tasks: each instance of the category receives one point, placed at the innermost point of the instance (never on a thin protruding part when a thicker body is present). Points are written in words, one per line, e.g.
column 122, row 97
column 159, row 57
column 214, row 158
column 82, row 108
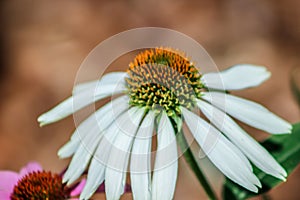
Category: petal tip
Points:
column 258, row 184
column 284, row 173
column 255, row 190
column 283, row 179
column 268, row 74
column 42, row 120
column 60, row 154
column 290, row 128
column 65, row 179
column 42, row 124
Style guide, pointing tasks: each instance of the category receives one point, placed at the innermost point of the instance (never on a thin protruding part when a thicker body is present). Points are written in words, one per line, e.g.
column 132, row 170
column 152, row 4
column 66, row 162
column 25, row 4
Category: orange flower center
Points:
column 163, row 78
column 39, row 186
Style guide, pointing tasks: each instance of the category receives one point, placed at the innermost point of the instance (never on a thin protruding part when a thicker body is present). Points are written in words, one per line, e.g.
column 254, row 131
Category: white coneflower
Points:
column 160, row 87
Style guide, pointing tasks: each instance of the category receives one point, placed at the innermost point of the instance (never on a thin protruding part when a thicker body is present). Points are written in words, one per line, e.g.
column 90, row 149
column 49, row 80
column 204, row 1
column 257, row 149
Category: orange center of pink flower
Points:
column 39, row 186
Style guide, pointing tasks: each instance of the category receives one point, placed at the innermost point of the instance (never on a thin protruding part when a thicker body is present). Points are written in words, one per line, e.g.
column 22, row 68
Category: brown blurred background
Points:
column 42, row 44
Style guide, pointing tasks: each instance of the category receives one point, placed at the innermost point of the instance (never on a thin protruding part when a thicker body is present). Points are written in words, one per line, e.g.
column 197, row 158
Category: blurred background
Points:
column 42, row 44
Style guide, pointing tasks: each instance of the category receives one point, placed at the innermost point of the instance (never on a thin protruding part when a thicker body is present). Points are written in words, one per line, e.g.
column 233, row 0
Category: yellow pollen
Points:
column 163, row 78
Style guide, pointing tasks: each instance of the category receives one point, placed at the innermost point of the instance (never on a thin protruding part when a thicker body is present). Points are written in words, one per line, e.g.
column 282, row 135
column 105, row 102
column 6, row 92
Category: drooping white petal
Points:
column 166, row 161
column 89, row 139
column 237, row 77
column 99, row 163
column 94, row 180
column 96, row 171
column 252, row 149
column 100, row 120
column 223, row 154
column 107, row 79
column 249, row 112
column 115, row 174
column 140, row 162
column 80, row 100
column 68, row 149
column 81, row 158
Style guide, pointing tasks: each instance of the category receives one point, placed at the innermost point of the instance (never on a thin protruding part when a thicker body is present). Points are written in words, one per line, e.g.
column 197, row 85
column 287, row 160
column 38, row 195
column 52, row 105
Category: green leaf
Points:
column 285, row 149
column 295, row 84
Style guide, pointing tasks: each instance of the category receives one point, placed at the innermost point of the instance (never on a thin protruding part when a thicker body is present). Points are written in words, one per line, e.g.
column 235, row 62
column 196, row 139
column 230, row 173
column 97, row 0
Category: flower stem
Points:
column 190, row 159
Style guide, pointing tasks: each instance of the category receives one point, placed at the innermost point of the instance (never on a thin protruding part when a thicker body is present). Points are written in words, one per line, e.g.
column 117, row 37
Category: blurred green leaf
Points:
column 295, row 84
column 285, row 149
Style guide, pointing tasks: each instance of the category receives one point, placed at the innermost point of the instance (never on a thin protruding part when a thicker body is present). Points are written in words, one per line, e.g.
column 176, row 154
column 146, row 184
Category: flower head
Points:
column 34, row 183
column 160, row 90
column 163, row 79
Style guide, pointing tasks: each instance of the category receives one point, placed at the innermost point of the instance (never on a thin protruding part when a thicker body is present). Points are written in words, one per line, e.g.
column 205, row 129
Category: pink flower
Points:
column 32, row 181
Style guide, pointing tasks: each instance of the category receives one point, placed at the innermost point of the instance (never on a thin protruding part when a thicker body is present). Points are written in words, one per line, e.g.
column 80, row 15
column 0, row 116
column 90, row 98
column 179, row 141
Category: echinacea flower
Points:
column 32, row 182
column 158, row 93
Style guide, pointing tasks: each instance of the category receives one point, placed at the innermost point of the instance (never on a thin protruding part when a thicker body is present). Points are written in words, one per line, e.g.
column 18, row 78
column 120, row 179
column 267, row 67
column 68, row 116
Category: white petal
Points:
column 140, row 163
column 81, row 158
column 80, row 100
column 96, row 172
column 115, row 174
column 89, row 139
column 252, row 149
column 166, row 161
column 97, row 120
column 237, row 77
column 223, row 154
column 68, row 149
column 107, row 79
column 95, row 178
column 249, row 112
